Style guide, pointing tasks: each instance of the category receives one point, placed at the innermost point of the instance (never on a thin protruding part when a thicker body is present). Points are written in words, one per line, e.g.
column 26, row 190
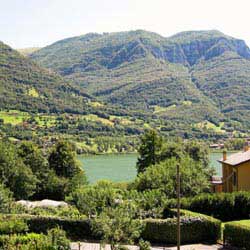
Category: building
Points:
column 236, row 171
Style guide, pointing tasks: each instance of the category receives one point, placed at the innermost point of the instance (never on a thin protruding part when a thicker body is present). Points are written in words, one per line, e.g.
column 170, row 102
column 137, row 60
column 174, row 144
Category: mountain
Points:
column 26, row 86
column 28, row 51
column 191, row 77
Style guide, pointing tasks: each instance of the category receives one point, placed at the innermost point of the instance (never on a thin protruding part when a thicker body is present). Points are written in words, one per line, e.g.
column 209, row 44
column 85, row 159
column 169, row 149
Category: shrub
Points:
column 237, row 234
column 55, row 239
column 12, row 226
column 19, row 239
column 5, row 199
column 195, row 228
column 223, row 206
column 76, row 229
column 58, row 239
column 144, row 245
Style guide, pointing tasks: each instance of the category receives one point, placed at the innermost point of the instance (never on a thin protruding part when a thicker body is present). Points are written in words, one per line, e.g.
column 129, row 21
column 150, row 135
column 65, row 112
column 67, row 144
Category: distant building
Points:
column 236, row 171
column 217, row 145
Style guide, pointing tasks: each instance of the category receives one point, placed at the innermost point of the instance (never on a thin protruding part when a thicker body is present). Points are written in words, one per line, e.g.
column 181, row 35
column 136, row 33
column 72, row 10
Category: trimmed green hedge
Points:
column 12, row 226
column 223, row 206
column 195, row 228
column 22, row 239
column 237, row 234
column 75, row 229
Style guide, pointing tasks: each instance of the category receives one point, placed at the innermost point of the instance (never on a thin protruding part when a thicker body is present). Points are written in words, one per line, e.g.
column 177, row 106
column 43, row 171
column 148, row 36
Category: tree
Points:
column 198, row 151
column 162, row 177
column 33, row 158
column 92, row 200
column 149, row 151
column 14, row 174
column 63, row 161
column 118, row 225
column 5, row 199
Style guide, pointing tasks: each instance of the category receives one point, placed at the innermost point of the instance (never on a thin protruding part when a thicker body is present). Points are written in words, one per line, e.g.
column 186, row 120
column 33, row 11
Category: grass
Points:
column 33, row 92
column 13, row 117
column 159, row 109
column 211, row 126
column 96, row 118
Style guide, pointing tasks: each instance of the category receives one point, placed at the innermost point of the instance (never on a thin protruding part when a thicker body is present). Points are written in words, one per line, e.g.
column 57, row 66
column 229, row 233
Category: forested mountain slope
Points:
column 28, row 87
column 192, row 76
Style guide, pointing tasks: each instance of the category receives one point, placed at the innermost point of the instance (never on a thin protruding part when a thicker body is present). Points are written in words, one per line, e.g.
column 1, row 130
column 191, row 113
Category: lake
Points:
column 121, row 167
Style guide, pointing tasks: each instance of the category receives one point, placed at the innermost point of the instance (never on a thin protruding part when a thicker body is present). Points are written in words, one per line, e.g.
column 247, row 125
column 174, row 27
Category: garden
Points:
column 140, row 212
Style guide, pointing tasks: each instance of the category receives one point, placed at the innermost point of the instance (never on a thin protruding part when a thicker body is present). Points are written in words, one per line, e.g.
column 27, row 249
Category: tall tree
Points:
column 63, row 160
column 14, row 174
column 33, row 158
column 149, row 151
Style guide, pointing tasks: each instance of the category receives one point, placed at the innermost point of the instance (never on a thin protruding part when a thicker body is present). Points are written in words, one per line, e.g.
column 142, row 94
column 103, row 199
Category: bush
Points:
column 76, row 229
column 195, row 228
column 237, row 234
column 19, row 239
column 55, row 239
column 223, row 206
column 5, row 199
column 144, row 245
column 12, row 226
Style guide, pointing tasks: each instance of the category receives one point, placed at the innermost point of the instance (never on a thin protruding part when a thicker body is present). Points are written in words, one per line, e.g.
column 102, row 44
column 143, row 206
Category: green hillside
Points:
column 143, row 71
column 28, row 87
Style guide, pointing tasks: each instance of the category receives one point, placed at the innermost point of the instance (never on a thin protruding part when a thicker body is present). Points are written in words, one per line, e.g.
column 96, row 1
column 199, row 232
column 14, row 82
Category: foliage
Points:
column 237, row 234
column 63, row 161
column 224, row 206
column 55, row 239
column 235, row 144
column 149, row 150
column 5, row 199
column 14, row 174
column 58, row 239
column 74, row 228
column 194, row 178
column 92, row 200
column 25, row 171
column 68, row 212
column 118, row 225
column 194, row 229
column 144, row 245
column 12, row 226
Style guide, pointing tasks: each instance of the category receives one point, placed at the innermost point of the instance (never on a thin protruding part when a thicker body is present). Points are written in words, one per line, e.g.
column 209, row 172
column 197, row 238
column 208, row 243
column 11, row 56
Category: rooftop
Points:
column 236, row 159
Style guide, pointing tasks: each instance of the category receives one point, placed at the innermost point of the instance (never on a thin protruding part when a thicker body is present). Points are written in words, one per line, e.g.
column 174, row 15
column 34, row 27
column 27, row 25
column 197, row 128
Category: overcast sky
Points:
column 28, row 23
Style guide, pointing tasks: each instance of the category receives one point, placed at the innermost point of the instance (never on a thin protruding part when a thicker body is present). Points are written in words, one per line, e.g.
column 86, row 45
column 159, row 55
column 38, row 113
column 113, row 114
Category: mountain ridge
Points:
column 190, row 77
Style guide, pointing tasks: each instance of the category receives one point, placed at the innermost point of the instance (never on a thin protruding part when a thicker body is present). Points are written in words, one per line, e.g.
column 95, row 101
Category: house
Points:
column 236, row 171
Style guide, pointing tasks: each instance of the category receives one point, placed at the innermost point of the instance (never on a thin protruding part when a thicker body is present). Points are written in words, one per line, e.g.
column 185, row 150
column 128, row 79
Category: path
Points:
column 96, row 246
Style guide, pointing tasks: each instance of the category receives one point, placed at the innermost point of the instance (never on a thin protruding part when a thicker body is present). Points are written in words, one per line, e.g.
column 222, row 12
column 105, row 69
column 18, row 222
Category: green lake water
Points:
column 121, row 167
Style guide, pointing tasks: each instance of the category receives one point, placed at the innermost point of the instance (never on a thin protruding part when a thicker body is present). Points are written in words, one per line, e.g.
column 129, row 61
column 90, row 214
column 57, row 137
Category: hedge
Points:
column 21, row 239
column 75, row 229
column 195, row 228
column 223, row 206
column 12, row 226
column 237, row 235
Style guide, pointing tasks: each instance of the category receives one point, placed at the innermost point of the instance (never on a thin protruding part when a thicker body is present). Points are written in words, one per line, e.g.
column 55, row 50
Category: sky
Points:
column 37, row 23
